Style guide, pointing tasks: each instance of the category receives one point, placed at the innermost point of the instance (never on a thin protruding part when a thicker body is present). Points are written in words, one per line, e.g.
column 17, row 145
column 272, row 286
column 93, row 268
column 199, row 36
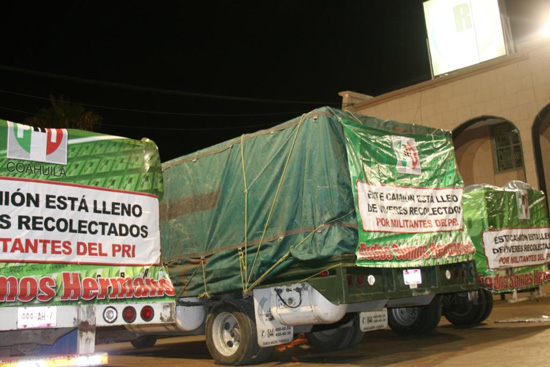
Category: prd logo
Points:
column 37, row 144
column 406, row 153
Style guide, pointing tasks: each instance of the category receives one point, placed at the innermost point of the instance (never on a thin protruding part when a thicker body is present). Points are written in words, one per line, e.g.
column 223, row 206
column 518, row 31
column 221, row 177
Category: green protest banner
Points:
column 408, row 195
column 79, row 217
column 510, row 229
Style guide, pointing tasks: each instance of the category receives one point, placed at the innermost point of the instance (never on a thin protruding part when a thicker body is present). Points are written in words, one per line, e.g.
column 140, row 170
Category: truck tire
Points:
column 415, row 320
column 144, row 341
column 466, row 312
column 358, row 335
column 335, row 339
column 231, row 336
column 488, row 306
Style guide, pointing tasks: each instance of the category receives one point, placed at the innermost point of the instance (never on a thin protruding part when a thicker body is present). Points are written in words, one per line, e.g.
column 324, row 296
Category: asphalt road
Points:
column 515, row 334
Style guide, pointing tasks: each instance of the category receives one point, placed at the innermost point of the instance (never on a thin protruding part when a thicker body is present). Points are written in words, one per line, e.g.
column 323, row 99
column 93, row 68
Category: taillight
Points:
column 350, row 280
column 129, row 314
column 110, row 315
column 147, row 313
column 360, row 281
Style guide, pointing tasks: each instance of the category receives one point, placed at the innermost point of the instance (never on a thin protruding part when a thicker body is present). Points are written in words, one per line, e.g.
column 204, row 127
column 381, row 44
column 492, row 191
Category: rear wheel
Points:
column 335, row 339
column 357, row 334
column 466, row 312
column 231, row 335
column 144, row 341
column 488, row 305
column 415, row 320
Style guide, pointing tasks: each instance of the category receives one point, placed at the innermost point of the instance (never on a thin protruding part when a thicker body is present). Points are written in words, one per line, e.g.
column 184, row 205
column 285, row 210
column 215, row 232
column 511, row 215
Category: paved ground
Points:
column 513, row 335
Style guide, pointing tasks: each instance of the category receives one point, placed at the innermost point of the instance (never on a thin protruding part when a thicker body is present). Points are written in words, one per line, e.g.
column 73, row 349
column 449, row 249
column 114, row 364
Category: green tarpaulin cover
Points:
column 326, row 183
column 509, row 227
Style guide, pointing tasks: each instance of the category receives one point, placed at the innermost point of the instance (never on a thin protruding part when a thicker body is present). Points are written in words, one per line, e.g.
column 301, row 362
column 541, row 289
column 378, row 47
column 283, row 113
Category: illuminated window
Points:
column 506, row 147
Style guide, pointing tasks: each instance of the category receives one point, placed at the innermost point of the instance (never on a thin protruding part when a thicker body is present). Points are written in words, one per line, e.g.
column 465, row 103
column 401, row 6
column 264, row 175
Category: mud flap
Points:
column 270, row 331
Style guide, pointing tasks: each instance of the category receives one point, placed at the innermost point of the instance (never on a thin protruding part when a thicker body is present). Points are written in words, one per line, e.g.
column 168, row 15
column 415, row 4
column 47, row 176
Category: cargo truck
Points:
column 330, row 224
column 510, row 229
column 79, row 243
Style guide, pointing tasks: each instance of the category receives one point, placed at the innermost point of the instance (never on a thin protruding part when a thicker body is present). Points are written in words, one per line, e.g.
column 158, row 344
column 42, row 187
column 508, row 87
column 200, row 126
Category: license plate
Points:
column 412, row 277
column 373, row 320
column 35, row 317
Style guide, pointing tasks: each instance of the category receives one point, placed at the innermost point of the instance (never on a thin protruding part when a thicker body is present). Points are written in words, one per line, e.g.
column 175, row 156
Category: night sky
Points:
column 191, row 74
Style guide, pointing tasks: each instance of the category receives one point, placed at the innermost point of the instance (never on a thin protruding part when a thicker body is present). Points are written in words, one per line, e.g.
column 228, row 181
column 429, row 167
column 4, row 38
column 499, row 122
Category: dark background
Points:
column 191, row 74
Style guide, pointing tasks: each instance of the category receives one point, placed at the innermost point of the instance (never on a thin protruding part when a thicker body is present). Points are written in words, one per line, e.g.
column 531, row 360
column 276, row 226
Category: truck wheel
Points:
column 335, row 339
column 144, row 341
column 488, row 305
column 465, row 312
column 357, row 335
column 415, row 320
column 231, row 335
